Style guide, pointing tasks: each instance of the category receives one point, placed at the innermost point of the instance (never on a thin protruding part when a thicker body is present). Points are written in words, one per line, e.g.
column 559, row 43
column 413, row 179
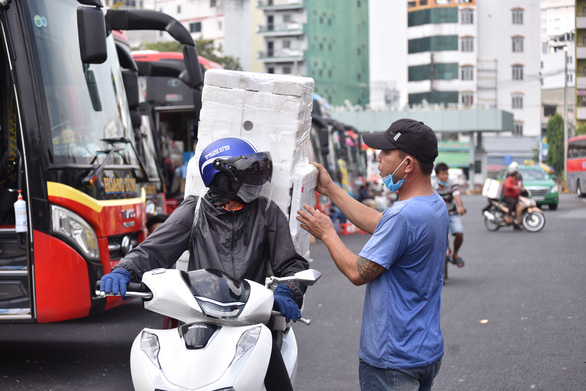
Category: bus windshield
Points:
column 85, row 102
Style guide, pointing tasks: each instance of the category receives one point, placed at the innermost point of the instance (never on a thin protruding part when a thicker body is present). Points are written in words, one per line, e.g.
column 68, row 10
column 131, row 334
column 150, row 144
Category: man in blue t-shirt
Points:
column 401, row 344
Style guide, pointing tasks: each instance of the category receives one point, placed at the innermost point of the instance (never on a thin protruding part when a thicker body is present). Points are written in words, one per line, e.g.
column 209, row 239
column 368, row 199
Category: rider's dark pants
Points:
column 512, row 204
column 277, row 378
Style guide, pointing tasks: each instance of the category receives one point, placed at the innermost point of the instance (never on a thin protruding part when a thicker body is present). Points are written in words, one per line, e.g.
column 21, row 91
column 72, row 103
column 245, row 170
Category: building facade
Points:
column 327, row 40
column 477, row 53
column 580, row 63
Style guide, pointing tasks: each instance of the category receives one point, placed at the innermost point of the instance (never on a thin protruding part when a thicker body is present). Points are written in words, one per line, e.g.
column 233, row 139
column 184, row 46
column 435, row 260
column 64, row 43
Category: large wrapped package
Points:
column 274, row 113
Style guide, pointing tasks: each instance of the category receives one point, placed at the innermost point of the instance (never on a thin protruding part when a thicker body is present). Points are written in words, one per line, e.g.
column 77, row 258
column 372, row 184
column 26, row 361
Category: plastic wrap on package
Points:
column 274, row 113
column 304, row 178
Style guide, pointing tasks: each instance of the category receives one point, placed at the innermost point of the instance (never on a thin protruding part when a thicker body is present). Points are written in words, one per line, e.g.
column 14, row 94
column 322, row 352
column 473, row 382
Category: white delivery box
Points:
column 274, row 113
column 492, row 188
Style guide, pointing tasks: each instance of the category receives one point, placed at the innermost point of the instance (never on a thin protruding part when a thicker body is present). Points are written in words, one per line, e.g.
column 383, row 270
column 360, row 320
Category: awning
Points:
column 454, row 159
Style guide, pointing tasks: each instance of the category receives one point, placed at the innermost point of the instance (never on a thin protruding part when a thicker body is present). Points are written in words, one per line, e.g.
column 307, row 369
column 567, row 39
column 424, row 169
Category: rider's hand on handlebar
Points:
column 115, row 282
column 284, row 301
column 461, row 210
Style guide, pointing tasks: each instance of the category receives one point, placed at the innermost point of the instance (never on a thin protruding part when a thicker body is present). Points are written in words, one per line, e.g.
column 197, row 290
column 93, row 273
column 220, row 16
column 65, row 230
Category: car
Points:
column 541, row 185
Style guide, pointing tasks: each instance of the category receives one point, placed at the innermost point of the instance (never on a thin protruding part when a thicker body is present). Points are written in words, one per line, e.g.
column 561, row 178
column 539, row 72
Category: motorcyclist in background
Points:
column 450, row 192
column 512, row 191
column 231, row 228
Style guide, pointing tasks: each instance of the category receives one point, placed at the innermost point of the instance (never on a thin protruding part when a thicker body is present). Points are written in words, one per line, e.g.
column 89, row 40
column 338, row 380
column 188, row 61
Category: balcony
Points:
column 282, row 5
column 283, row 55
column 580, row 21
column 580, row 81
column 581, row 113
column 580, row 51
column 280, row 29
column 580, row 103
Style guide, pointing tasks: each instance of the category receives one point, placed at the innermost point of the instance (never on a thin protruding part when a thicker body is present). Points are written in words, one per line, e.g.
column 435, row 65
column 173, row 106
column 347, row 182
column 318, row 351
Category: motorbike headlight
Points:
column 554, row 189
column 149, row 344
column 246, row 342
column 76, row 230
column 219, row 310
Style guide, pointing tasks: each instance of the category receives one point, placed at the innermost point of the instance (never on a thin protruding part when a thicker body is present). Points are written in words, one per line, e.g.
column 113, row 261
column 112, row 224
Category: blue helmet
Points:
column 237, row 157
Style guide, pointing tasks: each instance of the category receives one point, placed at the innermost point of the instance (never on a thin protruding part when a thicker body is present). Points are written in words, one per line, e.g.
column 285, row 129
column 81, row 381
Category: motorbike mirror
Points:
column 307, row 277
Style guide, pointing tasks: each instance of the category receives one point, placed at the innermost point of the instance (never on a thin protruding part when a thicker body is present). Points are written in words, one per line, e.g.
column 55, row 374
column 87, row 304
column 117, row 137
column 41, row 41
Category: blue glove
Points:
column 284, row 301
column 115, row 282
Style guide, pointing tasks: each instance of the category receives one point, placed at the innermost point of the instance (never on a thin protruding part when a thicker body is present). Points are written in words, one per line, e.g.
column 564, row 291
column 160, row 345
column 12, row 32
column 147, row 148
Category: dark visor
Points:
column 253, row 169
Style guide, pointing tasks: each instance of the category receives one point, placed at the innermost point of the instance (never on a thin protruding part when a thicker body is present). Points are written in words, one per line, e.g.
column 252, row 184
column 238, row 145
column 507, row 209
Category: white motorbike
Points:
column 224, row 342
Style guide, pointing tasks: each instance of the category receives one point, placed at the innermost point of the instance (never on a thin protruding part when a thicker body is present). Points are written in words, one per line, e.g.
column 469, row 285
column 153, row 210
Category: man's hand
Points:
column 324, row 180
column 461, row 210
column 315, row 222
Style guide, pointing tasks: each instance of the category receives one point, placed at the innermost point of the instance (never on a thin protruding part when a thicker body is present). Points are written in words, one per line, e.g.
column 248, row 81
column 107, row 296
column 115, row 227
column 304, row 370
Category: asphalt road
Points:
column 529, row 287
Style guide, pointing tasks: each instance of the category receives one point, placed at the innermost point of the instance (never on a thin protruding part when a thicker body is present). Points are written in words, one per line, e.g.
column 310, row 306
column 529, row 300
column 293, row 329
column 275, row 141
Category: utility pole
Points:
column 565, row 116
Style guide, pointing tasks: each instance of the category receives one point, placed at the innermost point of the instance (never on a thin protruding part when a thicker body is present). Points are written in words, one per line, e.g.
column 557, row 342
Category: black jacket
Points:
column 240, row 243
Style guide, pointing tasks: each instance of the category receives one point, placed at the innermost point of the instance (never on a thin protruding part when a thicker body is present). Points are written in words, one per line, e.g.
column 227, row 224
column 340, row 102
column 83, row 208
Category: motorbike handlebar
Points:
column 133, row 289
column 302, row 320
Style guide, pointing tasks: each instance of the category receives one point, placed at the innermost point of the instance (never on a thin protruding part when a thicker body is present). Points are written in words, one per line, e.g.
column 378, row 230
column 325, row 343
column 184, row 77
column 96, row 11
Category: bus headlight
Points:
column 554, row 189
column 76, row 230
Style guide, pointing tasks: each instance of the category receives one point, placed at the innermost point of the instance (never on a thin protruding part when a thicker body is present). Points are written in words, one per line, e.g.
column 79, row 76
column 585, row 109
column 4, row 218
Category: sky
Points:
column 388, row 47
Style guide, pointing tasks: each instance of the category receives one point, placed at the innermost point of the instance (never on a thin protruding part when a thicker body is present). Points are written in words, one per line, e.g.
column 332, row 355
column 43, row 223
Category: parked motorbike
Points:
column 223, row 342
column 532, row 218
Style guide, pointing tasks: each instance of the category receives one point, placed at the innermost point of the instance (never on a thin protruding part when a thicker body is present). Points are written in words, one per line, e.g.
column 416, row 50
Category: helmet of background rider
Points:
column 513, row 168
column 248, row 169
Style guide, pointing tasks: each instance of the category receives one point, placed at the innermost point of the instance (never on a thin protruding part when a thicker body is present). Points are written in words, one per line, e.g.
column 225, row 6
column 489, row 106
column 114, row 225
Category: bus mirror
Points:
column 192, row 66
column 91, row 28
column 130, row 80
column 97, row 3
column 184, row 77
column 135, row 119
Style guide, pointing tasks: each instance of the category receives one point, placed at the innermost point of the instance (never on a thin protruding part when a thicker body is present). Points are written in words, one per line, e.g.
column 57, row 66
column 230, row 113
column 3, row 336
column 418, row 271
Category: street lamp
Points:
column 565, row 116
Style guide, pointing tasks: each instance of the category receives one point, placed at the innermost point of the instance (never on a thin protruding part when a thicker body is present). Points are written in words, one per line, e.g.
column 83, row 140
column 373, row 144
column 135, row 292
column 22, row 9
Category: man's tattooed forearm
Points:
column 367, row 270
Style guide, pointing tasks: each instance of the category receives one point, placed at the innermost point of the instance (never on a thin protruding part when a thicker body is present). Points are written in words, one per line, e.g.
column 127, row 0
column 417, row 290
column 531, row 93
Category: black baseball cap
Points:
column 409, row 135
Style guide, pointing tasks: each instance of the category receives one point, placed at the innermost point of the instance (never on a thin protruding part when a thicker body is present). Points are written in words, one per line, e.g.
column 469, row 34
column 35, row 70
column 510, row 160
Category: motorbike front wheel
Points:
column 533, row 222
column 492, row 225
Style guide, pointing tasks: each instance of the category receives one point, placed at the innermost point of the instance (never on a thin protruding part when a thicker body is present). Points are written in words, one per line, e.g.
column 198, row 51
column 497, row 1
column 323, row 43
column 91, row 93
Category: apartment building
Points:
column 327, row 40
column 477, row 53
column 580, row 63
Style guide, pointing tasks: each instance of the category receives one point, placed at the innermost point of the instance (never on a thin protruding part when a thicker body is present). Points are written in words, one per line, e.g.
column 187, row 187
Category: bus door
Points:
column 14, row 277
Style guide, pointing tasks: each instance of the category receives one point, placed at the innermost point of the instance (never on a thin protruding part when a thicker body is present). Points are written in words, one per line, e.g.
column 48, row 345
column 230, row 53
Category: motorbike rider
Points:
column 450, row 192
column 231, row 228
column 512, row 190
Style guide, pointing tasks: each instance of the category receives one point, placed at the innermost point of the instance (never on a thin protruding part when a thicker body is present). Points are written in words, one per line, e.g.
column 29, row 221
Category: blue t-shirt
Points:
column 401, row 320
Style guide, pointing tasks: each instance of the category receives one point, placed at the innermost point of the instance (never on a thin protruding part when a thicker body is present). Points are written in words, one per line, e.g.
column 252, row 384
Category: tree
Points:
column 205, row 48
column 580, row 130
column 555, row 140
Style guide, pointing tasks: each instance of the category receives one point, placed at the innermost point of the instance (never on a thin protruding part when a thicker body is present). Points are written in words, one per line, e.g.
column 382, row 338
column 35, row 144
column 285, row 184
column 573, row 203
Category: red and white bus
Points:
column 68, row 145
column 175, row 114
column 576, row 165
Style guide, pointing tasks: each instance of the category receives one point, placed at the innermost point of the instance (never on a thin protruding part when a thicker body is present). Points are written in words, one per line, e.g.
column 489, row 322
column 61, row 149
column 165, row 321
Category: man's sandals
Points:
column 458, row 261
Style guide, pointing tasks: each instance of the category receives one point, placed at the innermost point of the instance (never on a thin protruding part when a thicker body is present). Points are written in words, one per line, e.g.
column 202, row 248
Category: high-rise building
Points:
column 477, row 53
column 327, row 40
column 580, row 63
